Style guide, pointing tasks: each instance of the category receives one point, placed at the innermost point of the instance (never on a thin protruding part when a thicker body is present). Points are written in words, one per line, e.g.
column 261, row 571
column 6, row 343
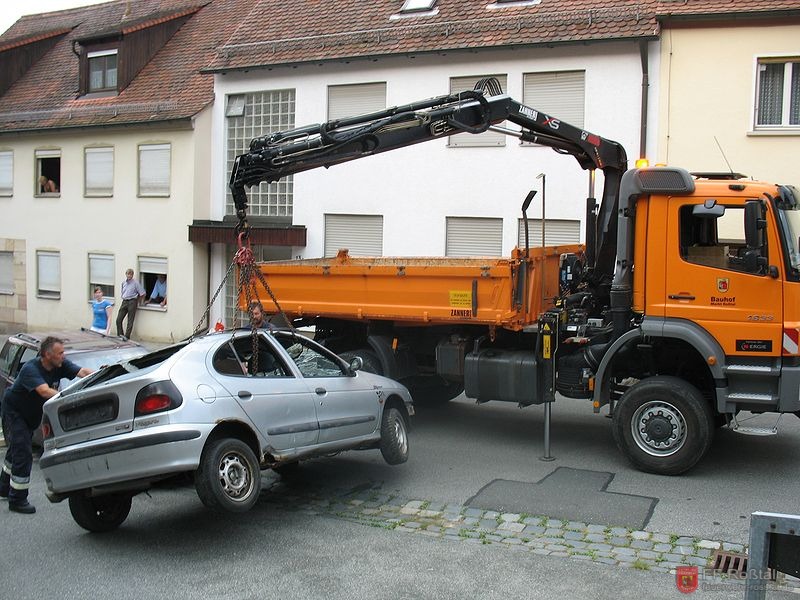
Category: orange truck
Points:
column 680, row 310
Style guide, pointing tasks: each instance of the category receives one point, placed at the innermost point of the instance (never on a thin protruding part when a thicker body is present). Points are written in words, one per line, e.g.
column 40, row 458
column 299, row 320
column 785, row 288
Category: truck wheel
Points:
column 372, row 363
column 394, row 437
column 432, row 390
column 229, row 477
column 100, row 514
column 663, row 425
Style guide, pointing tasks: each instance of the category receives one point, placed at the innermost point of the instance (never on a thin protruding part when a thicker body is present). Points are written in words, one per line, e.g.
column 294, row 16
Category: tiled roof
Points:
column 169, row 87
column 315, row 31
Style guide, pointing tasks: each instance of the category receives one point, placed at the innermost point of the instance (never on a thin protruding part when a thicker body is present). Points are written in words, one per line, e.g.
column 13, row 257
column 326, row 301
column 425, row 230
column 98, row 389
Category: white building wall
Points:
column 124, row 225
column 416, row 188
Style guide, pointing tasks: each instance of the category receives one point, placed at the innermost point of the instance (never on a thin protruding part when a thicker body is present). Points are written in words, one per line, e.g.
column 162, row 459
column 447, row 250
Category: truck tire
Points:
column 432, row 390
column 372, row 363
column 663, row 425
column 394, row 436
column 228, row 478
column 100, row 514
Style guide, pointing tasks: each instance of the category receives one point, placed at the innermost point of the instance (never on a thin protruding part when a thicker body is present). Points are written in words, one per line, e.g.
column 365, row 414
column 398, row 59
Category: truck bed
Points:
column 421, row 290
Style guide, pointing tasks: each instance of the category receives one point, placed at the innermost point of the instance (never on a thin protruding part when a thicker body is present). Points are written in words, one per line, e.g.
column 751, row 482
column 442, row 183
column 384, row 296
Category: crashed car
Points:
column 221, row 408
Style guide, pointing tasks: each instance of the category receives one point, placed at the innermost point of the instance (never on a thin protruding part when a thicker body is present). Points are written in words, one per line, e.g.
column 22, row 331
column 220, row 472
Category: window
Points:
column 263, row 113
column 559, row 93
column 102, row 70
column 233, row 316
column 474, row 236
column 778, row 93
column 48, row 172
column 362, row 235
column 154, row 169
column 350, row 100
column 487, row 138
column 557, row 231
column 310, row 361
column 99, row 172
column 417, row 5
column 48, row 280
column 6, row 272
column 153, row 277
column 6, row 173
column 236, row 359
column 101, row 274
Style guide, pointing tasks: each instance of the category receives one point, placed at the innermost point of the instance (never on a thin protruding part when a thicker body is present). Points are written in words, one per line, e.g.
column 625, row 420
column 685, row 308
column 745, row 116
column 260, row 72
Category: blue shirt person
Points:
column 159, row 293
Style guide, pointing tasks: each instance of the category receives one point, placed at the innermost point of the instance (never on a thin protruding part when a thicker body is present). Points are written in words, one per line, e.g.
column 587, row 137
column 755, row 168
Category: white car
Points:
column 221, row 407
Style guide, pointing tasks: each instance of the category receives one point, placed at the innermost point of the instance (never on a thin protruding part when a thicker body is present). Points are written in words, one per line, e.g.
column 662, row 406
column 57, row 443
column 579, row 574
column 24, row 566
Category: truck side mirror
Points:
column 754, row 224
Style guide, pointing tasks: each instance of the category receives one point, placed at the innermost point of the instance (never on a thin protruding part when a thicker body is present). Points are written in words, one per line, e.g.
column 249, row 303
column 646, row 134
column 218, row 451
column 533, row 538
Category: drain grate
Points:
column 730, row 563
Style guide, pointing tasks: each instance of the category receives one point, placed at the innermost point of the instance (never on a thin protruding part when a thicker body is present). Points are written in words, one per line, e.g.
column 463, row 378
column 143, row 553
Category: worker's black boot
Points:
column 24, row 507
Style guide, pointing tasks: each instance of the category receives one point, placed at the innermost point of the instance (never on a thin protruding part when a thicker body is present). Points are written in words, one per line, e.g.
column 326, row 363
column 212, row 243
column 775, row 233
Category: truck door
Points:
column 713, row 281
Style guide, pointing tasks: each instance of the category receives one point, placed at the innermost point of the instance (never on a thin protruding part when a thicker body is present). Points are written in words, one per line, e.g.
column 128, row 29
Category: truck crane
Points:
column 679, row 311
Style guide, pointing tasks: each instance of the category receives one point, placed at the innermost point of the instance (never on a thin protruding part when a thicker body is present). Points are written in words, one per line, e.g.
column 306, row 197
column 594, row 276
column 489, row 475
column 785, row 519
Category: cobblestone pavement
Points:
column 617, row 546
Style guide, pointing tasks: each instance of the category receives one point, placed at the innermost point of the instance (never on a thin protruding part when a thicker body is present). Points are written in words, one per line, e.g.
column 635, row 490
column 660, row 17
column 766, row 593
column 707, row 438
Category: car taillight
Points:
column 157, row 397
column 47, row 429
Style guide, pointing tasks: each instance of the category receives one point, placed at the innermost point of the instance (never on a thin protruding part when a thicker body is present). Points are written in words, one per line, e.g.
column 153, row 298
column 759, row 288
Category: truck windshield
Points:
column 789, row 218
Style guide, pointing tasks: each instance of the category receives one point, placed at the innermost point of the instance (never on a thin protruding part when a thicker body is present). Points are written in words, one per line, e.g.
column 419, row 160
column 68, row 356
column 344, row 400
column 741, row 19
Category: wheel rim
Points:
column 659, row 428
column 400, row 434
column 235, row 476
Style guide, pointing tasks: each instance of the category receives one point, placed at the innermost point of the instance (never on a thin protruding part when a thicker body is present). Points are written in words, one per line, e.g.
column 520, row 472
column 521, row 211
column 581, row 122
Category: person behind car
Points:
column 37, row 381
column 132, row 293
column 257, row 318
column 101, row 313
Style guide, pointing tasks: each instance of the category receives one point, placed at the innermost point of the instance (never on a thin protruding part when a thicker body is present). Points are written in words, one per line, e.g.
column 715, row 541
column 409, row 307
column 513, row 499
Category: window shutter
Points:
column 362, row 235
column 6, row 173
column 152, row 264
column 49, row 272
column 559, row 232
column 154, row 170
column 99, row 171
column 7, row 272
column 472, row 236
column 560, row 94
column 351, row 100
column 101, row 269
column 487, row 138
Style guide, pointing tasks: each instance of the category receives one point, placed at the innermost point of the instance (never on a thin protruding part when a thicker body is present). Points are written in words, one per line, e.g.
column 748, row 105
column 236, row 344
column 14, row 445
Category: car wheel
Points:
column 372, row 363
column 100, row 514
column 229, row 477
column 663, row 425
column 394, row 437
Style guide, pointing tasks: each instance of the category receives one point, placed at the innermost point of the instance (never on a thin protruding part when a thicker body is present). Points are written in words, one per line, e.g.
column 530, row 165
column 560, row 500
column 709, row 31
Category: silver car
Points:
column 221, row 407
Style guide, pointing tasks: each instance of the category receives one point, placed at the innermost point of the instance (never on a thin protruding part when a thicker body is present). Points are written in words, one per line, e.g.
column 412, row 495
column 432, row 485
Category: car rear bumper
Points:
column 135, row 456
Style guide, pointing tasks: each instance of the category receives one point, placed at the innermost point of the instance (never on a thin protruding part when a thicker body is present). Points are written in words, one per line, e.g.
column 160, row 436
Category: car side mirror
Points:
column 356, row 364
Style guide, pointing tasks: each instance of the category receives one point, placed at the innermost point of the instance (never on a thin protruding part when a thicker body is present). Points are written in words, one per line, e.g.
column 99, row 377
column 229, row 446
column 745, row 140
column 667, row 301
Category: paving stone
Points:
column 662, row 547
column 581, row 556
column 555, row 523
column 489, row 524
column 408, row 511
column 642, row 544
column 470, row 534
column 619, row 541
column 473, row 512
column 732, row 547
column 640, row 535
column 511, row 526
column 709, row 544
column 599, row 547
column 370, row 511
column 412, row 525
column 596, row 528
column 434, row 529
column 428, row 513
column 429, row 533
column 491, row 514
column 512, row 517
column 576, row 526
column 604, row 554
column 493, row 538
column 683, row 550
column 552, row 540
column 417, row 504
column 554, row 532
column 626, row 559
column 438, row 506
column 684, row 541
column 471, row 521
column 556, row 547
column 537, row 543
column 453, row 517
column 532, row 521
column 595, row 537
column 576, row 544
column 573, row 535
column 512, row 541
column 606, row 561
column 619, row 531
column 533, row 530
column 704, row 552
column 648, row 554
column 621, row 551
column 696, row 560
column 660, row 538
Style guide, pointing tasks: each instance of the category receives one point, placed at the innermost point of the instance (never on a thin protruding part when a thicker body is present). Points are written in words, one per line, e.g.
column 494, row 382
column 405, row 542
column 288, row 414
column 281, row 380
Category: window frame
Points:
column 41, row 292
column 791, row 70
column 148, row 268
column 108, row 284
column 7, row 256
column 563, row 113
column 160, row 192
column 408, row 6
column 47, row 154
column 102, row 55
column 7, row 192
column 99, row 192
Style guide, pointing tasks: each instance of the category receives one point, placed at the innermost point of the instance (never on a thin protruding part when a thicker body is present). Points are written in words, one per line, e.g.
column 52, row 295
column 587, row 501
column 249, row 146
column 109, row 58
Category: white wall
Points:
column 417, row 187
column 123, row 225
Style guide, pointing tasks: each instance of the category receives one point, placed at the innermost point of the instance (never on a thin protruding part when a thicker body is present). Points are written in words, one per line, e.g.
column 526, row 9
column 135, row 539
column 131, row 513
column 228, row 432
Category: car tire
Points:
column 228, row 478
column 100, row 514
column 663, row 425
column 372, row 363
column 394, row 436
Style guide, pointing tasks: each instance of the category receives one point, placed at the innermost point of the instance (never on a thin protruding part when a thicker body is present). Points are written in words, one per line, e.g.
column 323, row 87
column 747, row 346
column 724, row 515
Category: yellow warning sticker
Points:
column 460, row 299
column 546, row 352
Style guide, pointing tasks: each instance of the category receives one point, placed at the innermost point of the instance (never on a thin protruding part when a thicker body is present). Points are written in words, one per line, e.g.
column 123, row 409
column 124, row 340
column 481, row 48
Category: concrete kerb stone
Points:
column 644, row 550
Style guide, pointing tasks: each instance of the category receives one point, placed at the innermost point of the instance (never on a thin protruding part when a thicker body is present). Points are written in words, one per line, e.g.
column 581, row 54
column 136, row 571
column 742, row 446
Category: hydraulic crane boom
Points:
column 277, row 155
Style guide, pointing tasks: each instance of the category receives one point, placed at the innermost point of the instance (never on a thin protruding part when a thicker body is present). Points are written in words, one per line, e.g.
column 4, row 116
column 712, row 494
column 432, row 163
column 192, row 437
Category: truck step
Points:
column 736, row 427
column 741, row 397
column 763, row 370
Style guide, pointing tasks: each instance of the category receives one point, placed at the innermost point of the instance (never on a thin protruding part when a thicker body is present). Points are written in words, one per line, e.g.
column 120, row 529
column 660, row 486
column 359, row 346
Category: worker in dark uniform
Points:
column 36, row 381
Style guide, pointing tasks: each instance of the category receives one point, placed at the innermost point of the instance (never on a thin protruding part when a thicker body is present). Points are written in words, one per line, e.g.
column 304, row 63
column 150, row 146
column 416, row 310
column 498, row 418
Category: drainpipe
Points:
column 645, row 86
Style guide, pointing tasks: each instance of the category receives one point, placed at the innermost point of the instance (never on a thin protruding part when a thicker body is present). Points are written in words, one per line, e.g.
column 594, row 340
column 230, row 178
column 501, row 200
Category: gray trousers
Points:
column 128, row 308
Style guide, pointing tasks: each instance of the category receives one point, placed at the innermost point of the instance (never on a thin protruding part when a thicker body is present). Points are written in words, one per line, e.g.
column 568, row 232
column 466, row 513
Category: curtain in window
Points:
column 99, row 171
column 154, row 170
column 770, row 93
column 794, row 108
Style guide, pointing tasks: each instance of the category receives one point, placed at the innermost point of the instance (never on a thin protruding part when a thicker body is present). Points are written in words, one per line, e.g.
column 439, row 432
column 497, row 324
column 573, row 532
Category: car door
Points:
column 8, row 363
column 274, row 397
column 346, row 407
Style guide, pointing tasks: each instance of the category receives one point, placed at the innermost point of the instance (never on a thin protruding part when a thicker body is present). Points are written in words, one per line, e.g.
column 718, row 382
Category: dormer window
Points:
column 417, row 5
column 102, row 70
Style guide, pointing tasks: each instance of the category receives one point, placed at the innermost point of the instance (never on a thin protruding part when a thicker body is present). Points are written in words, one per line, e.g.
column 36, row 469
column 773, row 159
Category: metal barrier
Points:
column 774, row 544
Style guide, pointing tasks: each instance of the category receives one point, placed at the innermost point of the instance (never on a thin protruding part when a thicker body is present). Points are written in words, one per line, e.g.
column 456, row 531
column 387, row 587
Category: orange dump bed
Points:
column 417, row 290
